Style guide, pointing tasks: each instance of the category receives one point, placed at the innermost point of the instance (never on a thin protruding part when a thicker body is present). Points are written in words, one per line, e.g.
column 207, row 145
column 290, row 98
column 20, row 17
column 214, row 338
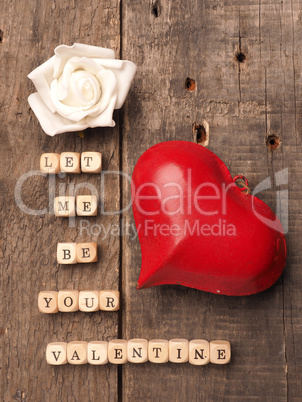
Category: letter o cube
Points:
column 68, row 301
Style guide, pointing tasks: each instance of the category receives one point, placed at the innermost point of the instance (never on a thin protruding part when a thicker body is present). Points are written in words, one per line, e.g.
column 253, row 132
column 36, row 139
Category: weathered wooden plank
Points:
column 31, row 30
column 243, row 102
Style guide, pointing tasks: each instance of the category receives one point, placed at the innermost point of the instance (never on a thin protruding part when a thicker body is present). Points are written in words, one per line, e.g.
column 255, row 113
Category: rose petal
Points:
column 63, row 53
column 41, row 78
column 105, row 118
column 124, row 71
column 76, row 63
column 108, row 83
column 52, row 123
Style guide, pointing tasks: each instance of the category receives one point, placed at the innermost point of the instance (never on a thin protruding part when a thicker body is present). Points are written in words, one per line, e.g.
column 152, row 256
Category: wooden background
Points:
column 244, row 99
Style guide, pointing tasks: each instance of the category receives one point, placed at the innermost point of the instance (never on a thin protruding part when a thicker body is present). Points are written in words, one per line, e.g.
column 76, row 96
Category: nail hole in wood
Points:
column 156, row 9
column 1, row 36
column 201, row 133
column 273, row 142
column 240, row 57
column 190, row 84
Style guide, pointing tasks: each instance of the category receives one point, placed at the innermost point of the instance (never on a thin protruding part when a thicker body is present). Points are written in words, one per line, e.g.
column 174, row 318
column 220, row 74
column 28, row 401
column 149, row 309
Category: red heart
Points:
column 198, row 229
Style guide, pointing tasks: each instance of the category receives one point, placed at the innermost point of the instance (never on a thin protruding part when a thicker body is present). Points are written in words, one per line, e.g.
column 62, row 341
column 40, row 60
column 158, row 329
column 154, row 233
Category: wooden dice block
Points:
column 87, row 205
column 98, row 352
column 109, row 300
column 50, row 163
column 67, row 253
column 70, row 162
column 137, row 350
column 48, row 302
column 89, row 300
column 91, row 162
column 158, row 351
column 220, row 352
column 56, row 353
column 77, row 352
column 64, row 206
column 68, row 301
column 117, row 351
column 178, row 350
column 199, row 352
column 87, row 252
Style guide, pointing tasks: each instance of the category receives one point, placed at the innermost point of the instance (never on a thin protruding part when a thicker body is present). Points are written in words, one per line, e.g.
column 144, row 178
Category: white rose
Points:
column 79, row 87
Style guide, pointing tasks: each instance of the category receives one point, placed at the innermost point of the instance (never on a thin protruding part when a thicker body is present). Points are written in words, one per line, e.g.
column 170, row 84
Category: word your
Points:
column 69, row 301
column 71, row 162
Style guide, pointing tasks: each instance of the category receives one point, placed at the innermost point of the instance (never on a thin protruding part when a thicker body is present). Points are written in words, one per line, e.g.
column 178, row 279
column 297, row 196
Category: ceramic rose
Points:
column 79, row 87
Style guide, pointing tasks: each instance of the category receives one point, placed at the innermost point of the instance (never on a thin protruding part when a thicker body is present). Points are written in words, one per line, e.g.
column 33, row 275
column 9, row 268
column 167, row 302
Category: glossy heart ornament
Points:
column 197, row 228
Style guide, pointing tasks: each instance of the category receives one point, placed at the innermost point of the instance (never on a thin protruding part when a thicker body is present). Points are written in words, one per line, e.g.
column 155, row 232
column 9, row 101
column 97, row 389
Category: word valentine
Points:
column 198, row 352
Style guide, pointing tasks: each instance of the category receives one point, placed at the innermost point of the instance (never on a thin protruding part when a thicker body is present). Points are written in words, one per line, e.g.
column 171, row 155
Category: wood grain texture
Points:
column 243, row 102
column 31, row 31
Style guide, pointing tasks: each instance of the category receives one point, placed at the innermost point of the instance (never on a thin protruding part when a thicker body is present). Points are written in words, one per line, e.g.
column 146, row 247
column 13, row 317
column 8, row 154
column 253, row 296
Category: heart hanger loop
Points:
column 242, row 183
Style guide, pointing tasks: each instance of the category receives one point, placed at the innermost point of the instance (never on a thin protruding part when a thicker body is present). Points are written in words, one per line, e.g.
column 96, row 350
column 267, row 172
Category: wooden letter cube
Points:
column 68, row 300
column 158, row 351
column 87, row 205
column 109, row 300
column 87, row 252
column 50, row 163
column 67, row 253
column 117, row 351
column 98, row 352
column 64, row 206
column 199, row 352
column 89, row 300
column 137, row 350
column 56, row 353
column 77, row 352
column 91, row 162
column 70, row 162
column 220, row 352
column 48, row 302
column 178, row 350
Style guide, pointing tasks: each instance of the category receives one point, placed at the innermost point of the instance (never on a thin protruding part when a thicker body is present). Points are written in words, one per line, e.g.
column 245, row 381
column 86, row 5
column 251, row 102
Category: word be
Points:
column 69, row 301
column 71, row 162
column 82, row 205
column 119, row 351
column 73, row 253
